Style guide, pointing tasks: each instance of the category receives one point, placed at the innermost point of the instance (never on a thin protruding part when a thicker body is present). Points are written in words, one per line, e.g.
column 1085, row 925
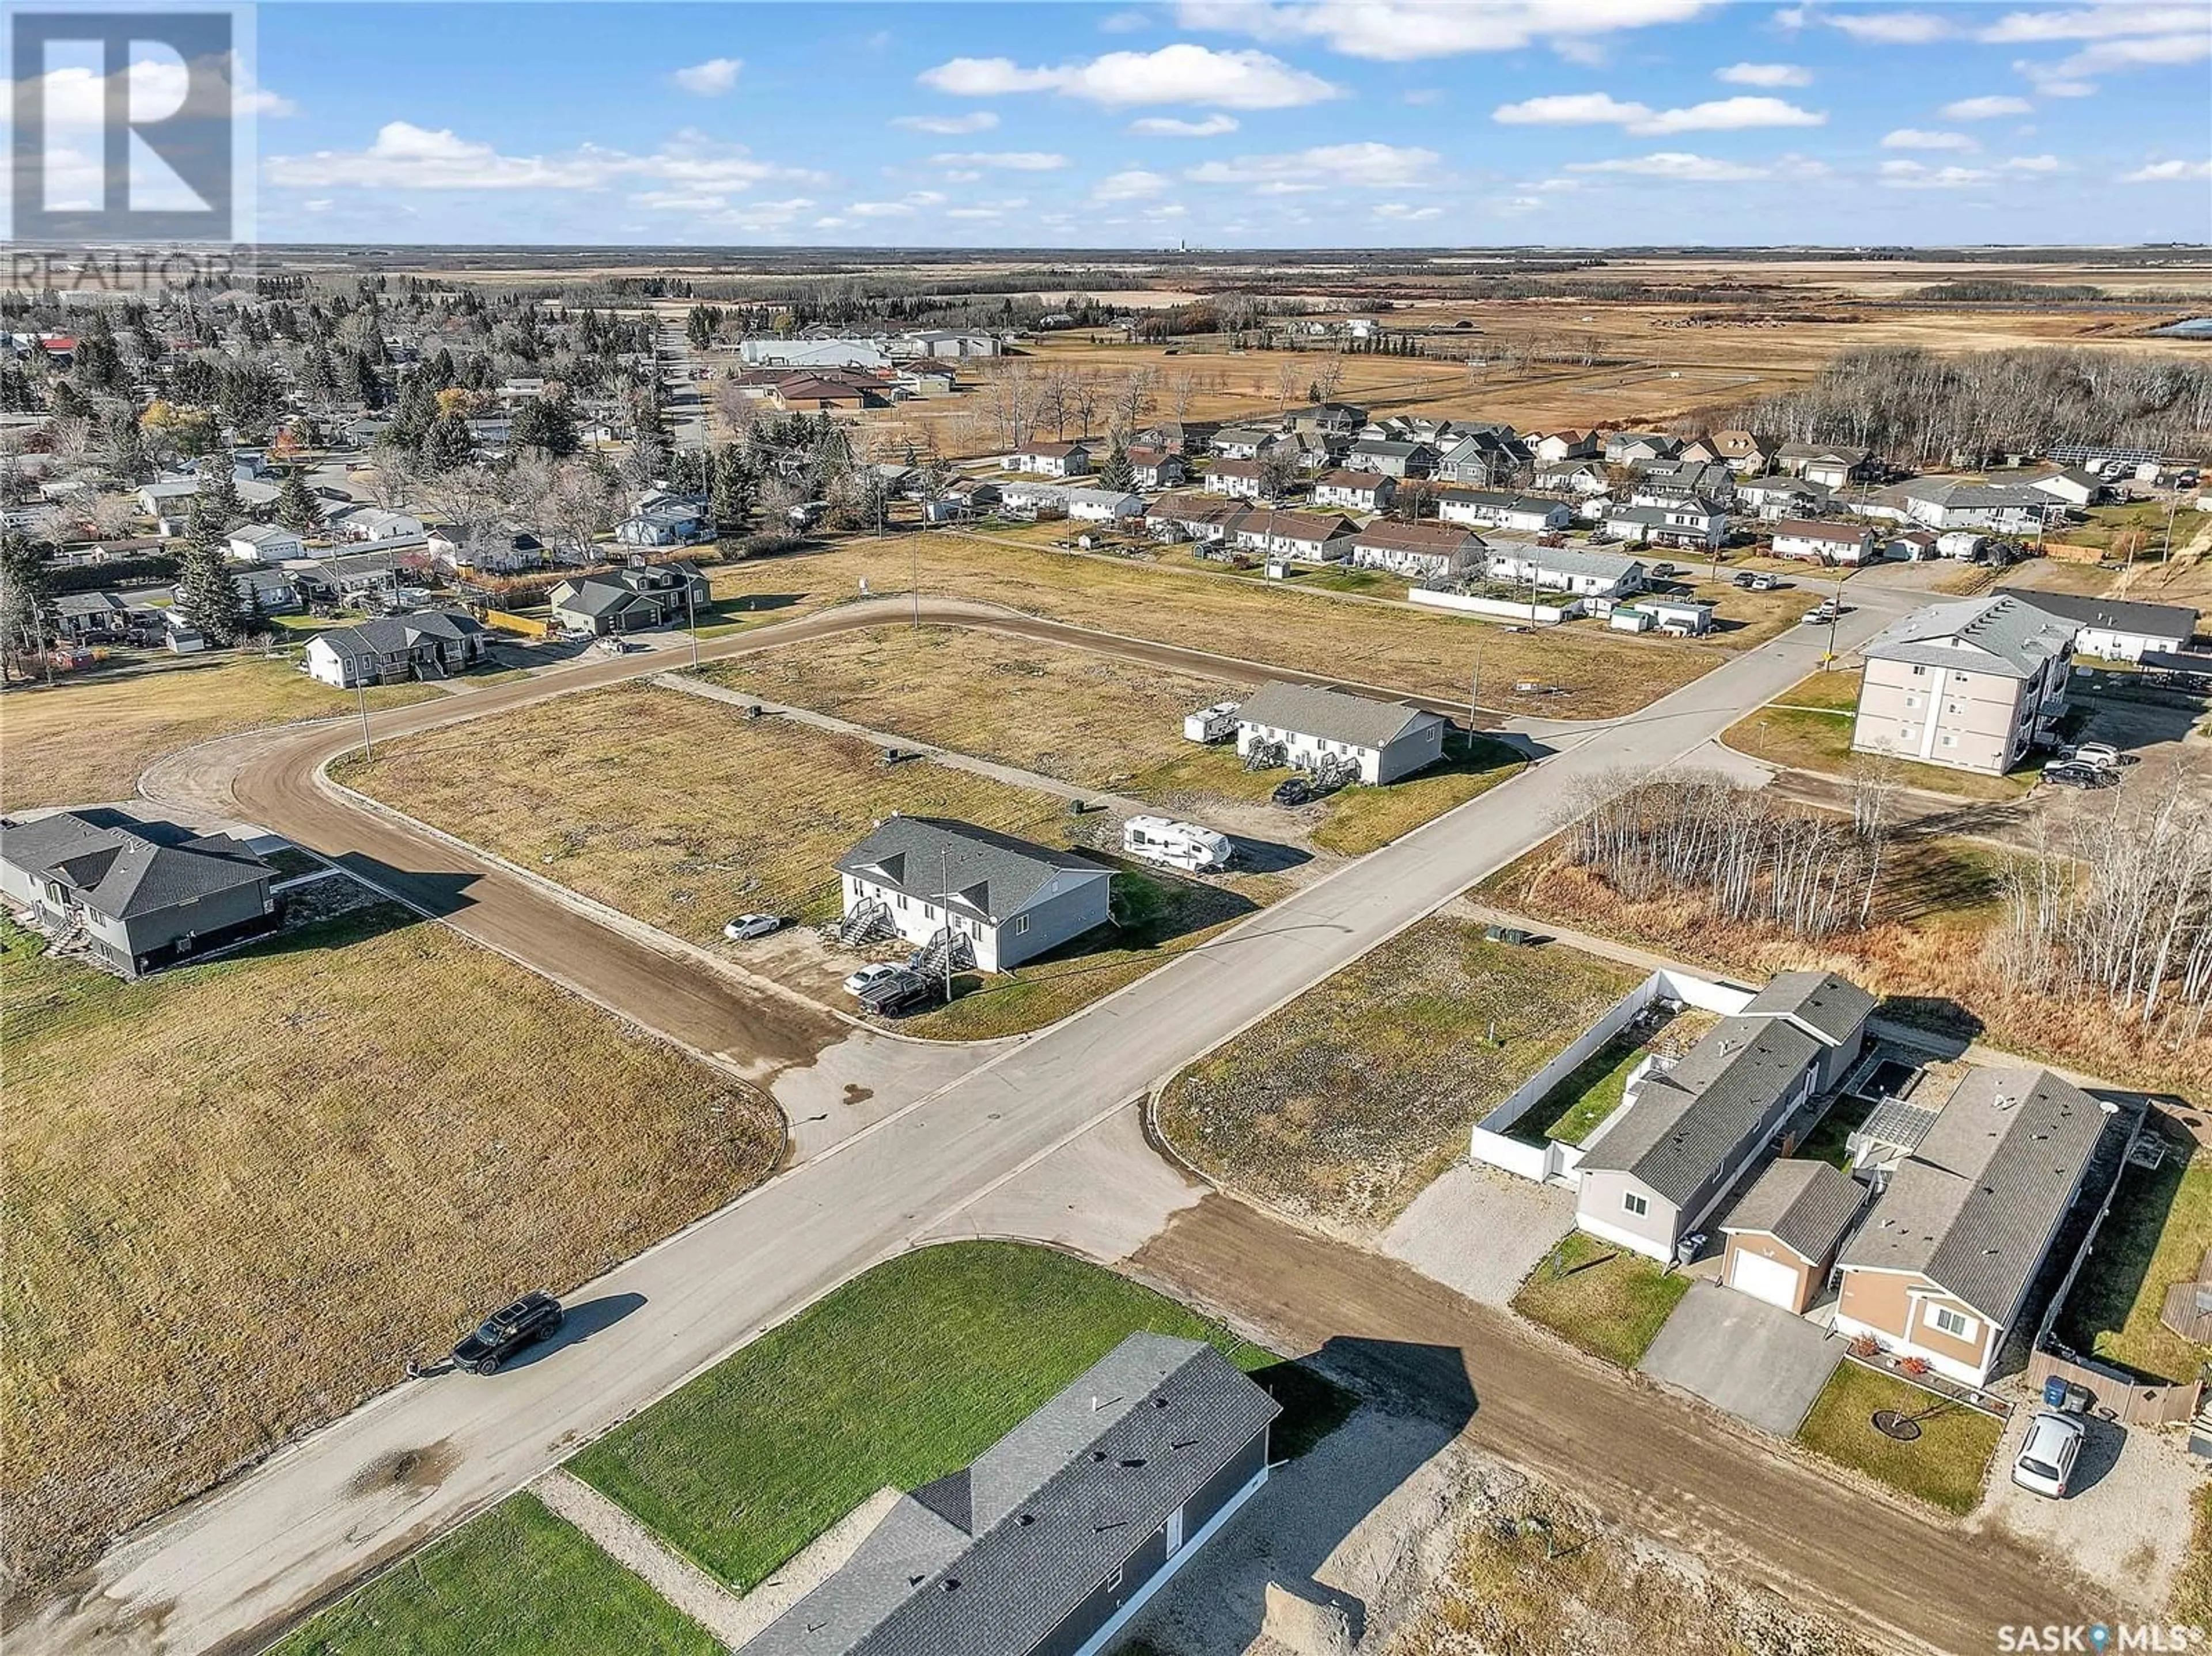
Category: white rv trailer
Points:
column 1214, row 724
column 1177, row 845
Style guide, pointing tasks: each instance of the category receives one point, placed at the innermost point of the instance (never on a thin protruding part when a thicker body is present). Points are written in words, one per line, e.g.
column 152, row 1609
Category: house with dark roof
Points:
column 1246, row 480
column 1313, row 728
column 627, row 600
column 1822, row 543
column 1391, row 459
column 1783, row 1236
column 133, row 895
column 395, row 649
column 1314, row 537
column 1943, row 1266
column 1972, row 684
column 932, row 880
column 1526, row 514
column 2114, row 629
column 1051, row 459
column 1685, row 1132
column 1053, row 1538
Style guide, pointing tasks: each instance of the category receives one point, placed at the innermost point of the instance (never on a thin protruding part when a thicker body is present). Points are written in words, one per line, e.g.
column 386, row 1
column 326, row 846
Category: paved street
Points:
column 249, row 1557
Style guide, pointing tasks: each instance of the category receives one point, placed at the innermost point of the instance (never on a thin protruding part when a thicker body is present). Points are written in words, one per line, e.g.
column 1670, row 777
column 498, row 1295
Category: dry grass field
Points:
column 244, row 1192
column 84, row 742
column 1341, row 1107
column 1809, row 728
column 1604, row 674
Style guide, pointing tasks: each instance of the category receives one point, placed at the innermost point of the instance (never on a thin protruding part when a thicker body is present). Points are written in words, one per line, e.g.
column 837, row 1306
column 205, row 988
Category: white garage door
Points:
column 1764, row 1279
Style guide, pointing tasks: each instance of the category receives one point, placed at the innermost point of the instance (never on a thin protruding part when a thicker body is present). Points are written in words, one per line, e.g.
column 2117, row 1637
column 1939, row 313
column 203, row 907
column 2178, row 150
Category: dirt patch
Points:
column 422, row 1470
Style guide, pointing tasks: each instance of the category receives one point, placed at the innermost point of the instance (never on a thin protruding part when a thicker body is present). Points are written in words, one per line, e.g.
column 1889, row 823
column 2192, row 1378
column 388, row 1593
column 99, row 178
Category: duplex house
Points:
column 1685, row 525
column 1625, row 448
column 1775, row 498
column 1053, row 1538
column 1243, row 479
column 1822, row 543
column 1420, row 551
column 1069, row 500
column 2114, row 629
column 1942, row 503
column 1391, row 459
column 1526, row 514
column 933, row 879
column 1654, row 1170
column 1052, row 459
column 1942, row 1267
column 1190, row 518
column 1584, row 572
column 1312, row 537
column 627, row 600
column 1661, row 482
column 1312, row 727
column 1157, row 468
column 135, row 894
column 1573, row 476
column 263, row 543
column 1970, row 684
column 392, row 649
column 1564, row 447
column 1243, row 442
column 1355, row 491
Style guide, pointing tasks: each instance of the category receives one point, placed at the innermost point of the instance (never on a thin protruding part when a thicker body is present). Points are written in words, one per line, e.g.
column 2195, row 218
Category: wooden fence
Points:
column 507, row 622
column 2130, row 1401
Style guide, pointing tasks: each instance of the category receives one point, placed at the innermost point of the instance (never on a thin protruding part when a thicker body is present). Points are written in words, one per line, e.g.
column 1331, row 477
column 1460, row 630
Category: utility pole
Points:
column 1474, row 689
column 360, row 689
column 1835, row 615
column 913, row 556
column 691, row 614
column 944, row 896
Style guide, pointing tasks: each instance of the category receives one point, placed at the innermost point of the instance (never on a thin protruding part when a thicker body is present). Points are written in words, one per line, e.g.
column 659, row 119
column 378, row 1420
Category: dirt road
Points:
column 1689, row 1477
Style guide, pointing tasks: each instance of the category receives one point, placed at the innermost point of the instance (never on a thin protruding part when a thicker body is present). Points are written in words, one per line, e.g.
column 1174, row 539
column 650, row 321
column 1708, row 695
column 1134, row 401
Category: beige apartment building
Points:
column 1970, row 684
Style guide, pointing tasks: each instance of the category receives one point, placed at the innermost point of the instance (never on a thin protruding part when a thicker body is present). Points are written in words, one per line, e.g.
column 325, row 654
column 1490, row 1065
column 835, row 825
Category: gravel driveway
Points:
column 1480, row 1231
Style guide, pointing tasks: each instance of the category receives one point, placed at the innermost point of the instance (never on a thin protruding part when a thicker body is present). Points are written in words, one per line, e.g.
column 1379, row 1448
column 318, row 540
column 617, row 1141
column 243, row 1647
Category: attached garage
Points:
column 1784, row 1236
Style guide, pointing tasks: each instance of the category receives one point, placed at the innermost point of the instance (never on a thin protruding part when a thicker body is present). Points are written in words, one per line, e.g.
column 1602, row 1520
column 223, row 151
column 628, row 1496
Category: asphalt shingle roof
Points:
column 1332, row 715
column 1994, row 635
column 1973, row 1208
column 2115, row 615
column 1832, row 1008
column 993, row 876
column 123, row 873
column 1804, row 1205
column 391, row 635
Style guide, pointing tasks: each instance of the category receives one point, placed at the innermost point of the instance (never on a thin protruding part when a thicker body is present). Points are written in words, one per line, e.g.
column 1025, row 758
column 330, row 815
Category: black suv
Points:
column 533, row 1318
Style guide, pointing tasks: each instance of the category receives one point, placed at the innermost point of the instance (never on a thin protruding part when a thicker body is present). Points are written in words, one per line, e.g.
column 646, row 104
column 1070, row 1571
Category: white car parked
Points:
column 2103, row 754
column 872, row 974
column 748, row 926
column 2047, row 1456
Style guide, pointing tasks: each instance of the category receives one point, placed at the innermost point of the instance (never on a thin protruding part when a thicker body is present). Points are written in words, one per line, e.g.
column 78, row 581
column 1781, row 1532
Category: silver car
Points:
column 2046, row 1459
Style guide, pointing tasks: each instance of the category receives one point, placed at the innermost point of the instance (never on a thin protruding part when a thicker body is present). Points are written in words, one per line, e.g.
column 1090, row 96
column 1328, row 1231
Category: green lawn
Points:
column 900, row 1376
column 2156, row 1233
column 516, row 1581
column 1605, row 1299
column 1361, row 819
column 1592, row 1091
column 1830, row 1135
column 1944, row 1465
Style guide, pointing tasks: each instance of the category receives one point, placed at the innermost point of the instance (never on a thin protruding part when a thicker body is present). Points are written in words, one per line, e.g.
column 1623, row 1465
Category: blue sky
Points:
column 1226, row 123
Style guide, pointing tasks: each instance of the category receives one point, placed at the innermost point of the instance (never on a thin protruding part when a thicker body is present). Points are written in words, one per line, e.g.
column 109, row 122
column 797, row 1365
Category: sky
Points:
column 1227, row 123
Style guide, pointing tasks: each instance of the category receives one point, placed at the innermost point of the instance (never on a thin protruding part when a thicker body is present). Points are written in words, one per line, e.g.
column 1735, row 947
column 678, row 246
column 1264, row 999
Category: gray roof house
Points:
column 626, row 600
column 929, row 879
column 2115, row 629
column 1057, row 1535
column 133, row 895
column 1654, row 1169
column 1784, row 1234
column 1315, row 728
column 1942, row 1267
column 393, row 649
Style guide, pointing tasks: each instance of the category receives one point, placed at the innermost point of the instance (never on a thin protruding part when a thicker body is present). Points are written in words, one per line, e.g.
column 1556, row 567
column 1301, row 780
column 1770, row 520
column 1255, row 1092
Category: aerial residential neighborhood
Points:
column 1314, row 830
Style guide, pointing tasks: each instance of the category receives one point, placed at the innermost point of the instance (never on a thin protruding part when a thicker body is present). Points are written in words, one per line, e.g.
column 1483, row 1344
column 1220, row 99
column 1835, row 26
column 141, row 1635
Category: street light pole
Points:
column 1835, row 615
column 1474, row 690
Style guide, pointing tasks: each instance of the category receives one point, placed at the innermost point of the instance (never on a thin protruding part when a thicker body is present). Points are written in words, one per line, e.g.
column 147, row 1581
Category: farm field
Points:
column 246, row 1191
column 1604, row 673
column 1340, row 1107
column 54, row 759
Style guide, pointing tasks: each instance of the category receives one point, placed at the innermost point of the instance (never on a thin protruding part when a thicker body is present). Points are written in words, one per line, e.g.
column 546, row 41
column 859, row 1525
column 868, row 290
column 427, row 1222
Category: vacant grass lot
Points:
column 243, row 1192
column 516, row 1581
column 902, row 1375
column 1944, row 1465
column 2155, row 1236
column 1809, row 728
column 84, row 741
column 1339, row 1108
column 1610, row 1302
column 1607, row 673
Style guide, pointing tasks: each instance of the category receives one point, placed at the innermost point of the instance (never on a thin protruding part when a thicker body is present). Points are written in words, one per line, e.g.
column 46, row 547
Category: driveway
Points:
column 1754, row 1360
column 1480, row 1231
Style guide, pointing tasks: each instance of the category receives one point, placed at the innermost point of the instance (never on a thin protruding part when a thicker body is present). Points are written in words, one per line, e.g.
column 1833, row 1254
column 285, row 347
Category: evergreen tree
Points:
column 734, row 488
column 26, row 607
column 207, row 593
column 297, row 508
column 1117, row 474
column 218, row 500
column 546, row 425
column 449, row 444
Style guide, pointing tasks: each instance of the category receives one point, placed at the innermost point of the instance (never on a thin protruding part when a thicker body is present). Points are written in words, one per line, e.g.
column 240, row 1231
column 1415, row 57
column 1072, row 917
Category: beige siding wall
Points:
column 1968, row 721
column 1884, row 1301
column 1767, row 1248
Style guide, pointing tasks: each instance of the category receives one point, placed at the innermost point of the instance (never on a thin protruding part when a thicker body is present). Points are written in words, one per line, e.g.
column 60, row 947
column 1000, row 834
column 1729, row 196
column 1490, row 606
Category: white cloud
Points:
column 710, row 79
column 1011, row 161
column 2168, row 173
column 1603, row 108
column 1406, row 212
column 1765, row 75
column 2150, row 52
column 948, row 126
column 1422, row 95
column 2092, row 23
column 1124, row 22
column 1168, row 126
column 76, row 97
column 404, row 156
column 1918, row 175
column 1889, row 28
column 1677, row 165
column 2033, row 164
column 1912, row 137
column 1180, row 74
column 1986, row 109
column 1401, row 31
column 1313, row 169
column 1133, row 184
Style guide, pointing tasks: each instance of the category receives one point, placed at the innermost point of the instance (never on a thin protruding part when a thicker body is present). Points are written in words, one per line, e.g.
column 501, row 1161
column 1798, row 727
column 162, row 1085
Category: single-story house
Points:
column 1314, row 538
column 1573, row 478
column 1685, row 525
column 341, row 577
column 1914, row 545
column 1058, row 1535
column 270, row 590
column 392, row 649
column 669, row 521
column 2076, row 485
column 1193, row 517
column 1422, row 551
column 1009, row 900
column 1157, row 468
column 1625, row 448
column 1775, row 498
column 1564, row 447
column 1342, row 421
column 1822, row 543
column 1783, row 1236
column 1355, row 491
column 1312, row 726
column 263, row 543
column 1529, row 514
column 79, row 616
column 1243, row 480
column 374, row 523
column 1830, row 466
column 1942, row 503
column 167, row 497
column 1069, row 501
column 1661, row 483
column 1683, row 617
column 491, row 549
column 1586, row 574
column 1052, row 459
column 1653, row 1172
column 1391, row 459
column 1243, row 442
column 1941, row 1268
column 629, row 600
column 2114, row 629
column 138, row 895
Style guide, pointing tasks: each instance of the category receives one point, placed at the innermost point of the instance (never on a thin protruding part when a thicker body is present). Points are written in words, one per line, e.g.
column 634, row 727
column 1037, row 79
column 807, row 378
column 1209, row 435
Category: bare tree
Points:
column 1330, row 376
